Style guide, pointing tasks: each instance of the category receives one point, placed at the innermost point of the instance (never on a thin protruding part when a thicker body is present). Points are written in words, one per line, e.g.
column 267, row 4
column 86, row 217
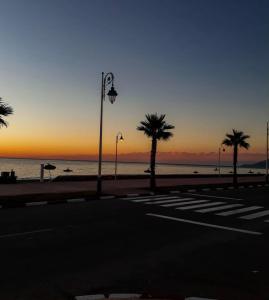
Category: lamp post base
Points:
column 99, row 186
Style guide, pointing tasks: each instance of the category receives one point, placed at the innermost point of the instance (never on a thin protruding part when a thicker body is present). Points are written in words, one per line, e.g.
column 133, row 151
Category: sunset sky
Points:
column 203, row 63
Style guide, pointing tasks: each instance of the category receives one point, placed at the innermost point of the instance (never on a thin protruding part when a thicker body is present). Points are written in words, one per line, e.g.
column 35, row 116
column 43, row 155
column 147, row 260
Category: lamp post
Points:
column 267, row 133
column 220, row 157
column 107, row 79
column 119, row 137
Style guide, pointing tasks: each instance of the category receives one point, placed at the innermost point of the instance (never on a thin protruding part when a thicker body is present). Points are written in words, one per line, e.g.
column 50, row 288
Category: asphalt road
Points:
column 211, row 244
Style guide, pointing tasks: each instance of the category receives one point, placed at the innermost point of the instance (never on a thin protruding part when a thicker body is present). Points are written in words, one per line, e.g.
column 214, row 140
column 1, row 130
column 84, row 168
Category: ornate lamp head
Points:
column 112, row 94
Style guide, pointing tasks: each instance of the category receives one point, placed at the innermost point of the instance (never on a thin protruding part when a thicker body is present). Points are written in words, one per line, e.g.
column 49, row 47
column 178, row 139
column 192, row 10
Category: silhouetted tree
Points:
column 236, row 140
column 156, row 128
column 5, row 110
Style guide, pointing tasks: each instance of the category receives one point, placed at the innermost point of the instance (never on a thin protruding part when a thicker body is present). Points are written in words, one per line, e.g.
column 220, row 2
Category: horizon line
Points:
column 123, row 162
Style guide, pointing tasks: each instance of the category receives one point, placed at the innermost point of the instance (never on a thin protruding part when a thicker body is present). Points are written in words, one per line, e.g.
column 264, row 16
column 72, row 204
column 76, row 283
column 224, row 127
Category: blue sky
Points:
column 202, row 63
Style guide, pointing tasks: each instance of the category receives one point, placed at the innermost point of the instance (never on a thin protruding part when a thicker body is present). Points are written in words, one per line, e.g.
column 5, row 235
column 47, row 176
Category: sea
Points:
column 30, row 168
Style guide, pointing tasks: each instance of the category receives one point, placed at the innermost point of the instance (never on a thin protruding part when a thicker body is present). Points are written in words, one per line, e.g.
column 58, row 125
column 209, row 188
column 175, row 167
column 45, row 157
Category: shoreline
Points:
column 120, row 162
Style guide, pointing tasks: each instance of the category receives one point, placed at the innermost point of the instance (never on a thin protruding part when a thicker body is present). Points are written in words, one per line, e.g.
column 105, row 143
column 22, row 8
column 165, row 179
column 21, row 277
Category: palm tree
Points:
column 156, row 128
column 5, row 110
column 235, row 140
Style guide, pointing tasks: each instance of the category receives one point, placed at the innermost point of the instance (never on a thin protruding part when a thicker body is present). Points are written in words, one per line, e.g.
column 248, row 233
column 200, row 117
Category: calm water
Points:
column 29, row 168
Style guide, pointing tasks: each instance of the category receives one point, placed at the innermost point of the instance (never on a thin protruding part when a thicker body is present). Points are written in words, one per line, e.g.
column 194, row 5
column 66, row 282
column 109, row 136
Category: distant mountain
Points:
column 258, row 165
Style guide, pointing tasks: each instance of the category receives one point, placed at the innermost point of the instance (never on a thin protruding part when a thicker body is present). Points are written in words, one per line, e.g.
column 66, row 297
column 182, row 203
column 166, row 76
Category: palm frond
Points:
column 168, row 127
column 244, row 144
column 237, row 138
column 245, row 136
column 165, row 136
column 5, row 110
column 156, row 126
column 3, row 123
column 227, row 142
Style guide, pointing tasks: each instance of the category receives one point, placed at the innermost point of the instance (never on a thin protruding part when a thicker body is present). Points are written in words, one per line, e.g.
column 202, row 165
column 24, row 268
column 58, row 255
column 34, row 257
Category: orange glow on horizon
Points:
column 135, row 147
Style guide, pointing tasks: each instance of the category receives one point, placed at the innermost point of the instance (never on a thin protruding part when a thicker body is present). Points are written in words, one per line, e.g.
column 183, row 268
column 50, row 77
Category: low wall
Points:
column 111, row 177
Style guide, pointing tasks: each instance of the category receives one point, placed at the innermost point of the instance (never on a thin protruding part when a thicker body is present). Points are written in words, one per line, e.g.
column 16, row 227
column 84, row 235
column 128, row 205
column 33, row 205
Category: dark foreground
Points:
column 60, row 251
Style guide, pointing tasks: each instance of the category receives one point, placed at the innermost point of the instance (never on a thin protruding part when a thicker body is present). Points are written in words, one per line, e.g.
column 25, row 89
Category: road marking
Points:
column 206, row 189
column 184, row 203
column 200, row 205
column 198, row 298
column 205, row 224
column 218, row 197
column 76, row 200
column 124, row 296
column 146, row 197
column 90, row 297
column 111, row 296
column 132, row 195
column 25, row 233
column 1, row 206
column 174, row 192
column 219, row 188
column 192, row 191
column 230, row 188
column 238, row 211
column 256, row 215
column 36, row 203
column 155, row 199
column 169, row 201
column 107, row 197
column 218, row 208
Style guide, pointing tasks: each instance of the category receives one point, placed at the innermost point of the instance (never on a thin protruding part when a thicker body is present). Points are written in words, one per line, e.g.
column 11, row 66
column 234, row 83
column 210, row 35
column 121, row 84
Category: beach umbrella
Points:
column 68, row 170
column 49, row 167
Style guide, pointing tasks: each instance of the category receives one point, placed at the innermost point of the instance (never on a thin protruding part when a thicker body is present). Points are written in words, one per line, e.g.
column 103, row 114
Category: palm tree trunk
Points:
column 235, row 165
column 152, row 163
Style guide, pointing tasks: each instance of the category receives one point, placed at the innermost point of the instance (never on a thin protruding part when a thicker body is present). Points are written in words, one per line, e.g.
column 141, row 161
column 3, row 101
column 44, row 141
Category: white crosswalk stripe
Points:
column 199, row 205
column 144, row 197
column 215, row 197
column 170, row 201
column 206, row 210
column 256, row 215
column 155, row 199
column 184, row 203
column 238, row 211
column 220, row 208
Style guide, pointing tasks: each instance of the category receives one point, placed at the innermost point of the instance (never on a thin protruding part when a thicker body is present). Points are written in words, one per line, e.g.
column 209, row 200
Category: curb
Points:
column 133, row 296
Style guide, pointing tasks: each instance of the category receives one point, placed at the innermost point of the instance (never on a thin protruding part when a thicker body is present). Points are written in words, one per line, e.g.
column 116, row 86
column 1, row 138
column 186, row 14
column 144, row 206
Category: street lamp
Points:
column 267, row 133
column 119, row 137
column 223, row 150
column 107, row 79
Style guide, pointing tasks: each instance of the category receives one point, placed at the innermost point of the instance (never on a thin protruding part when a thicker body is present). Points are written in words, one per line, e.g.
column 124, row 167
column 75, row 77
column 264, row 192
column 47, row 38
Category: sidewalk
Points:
column 119, row 187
